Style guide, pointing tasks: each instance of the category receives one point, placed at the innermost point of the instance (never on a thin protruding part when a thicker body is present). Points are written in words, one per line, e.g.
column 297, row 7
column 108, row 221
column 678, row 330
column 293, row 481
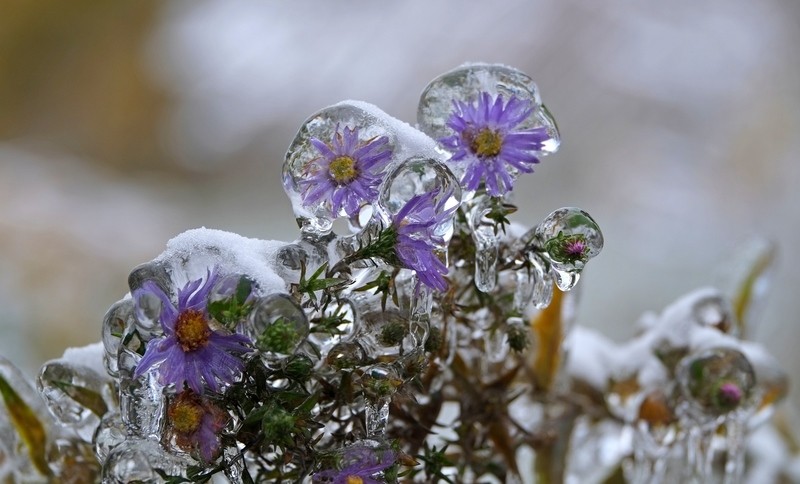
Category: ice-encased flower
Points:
column 190, row 351
column 348, row 172
column 486, row 138
column 359, row 464
column 417, row 241
column 196, row 422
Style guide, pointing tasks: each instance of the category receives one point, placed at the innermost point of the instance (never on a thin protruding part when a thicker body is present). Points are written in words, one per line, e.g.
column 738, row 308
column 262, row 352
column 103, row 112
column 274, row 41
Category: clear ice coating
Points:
column 534, row 284
column 569, row 237
column 414, row 176
column 352, row 131
column 466, row 84
column 140, row 399
column 488, row 367
column 384, row 332
column 109, row 433
column 73, row 461
column 277, row 325
column 118, row 317
column 139, row 460
column 380, row 382
column 487, row 243
column 715, row 382
column 73, row 394
column 719, row 394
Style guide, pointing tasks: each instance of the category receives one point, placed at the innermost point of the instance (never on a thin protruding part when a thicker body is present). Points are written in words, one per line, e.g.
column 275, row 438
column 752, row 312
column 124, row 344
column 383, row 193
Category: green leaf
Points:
column 751, row 281
column 232, row 310
column 28, row 425
column 84, row 396
column 243, row 290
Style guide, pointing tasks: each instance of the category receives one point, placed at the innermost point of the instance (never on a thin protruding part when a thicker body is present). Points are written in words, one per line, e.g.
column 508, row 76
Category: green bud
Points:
column 393, row 332
column 434, row 341
column 568, row 248
column 518, row 338
column 278, row 425
column 298, row 368
column 279, row 337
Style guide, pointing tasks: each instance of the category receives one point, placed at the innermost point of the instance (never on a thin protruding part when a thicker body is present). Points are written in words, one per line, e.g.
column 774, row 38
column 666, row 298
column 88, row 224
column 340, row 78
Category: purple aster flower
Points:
column 417, row 241
column 359, row 464
column 412, row 239
column 195, row 423
column 486, row 138
column 190, row 351
column 348, row 172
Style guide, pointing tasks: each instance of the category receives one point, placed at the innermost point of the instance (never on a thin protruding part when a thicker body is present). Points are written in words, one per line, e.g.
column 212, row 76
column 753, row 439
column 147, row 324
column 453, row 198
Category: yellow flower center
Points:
column 191, row 330
column 486, row 143
column 185, row 415
column 343, row 169
column 354, row 480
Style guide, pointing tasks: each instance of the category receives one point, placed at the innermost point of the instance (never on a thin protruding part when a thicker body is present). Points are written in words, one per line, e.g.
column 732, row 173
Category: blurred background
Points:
column 123, row 124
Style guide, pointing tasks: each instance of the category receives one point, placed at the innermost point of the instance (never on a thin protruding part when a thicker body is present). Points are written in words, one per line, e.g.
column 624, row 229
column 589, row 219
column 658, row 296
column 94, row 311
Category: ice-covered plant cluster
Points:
column 431, row 342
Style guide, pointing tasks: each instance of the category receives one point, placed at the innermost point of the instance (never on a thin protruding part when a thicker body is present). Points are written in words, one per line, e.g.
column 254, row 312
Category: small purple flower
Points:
column 417, row 241
column 485, row 137
column 568, row 249
column 728, row 395
column 575, row 248
column 359, row 464
column 190, row 351
column 348, row 172
column 195, row 423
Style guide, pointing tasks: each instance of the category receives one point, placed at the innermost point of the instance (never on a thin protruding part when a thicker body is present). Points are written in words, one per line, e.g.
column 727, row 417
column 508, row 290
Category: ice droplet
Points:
column 380, row 382
column 534, row 284
column 277, row 325
column 346, row 354
column 415, row 176
column 567, row 239
column 487, row 244
column 715, row 382
column 735, row 434
column 566, row 280
column 329, row 126
column 384, row 332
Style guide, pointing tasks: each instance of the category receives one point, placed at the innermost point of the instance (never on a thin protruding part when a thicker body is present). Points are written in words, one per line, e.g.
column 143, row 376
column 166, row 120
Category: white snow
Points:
column 197, row 249
column 90, row 356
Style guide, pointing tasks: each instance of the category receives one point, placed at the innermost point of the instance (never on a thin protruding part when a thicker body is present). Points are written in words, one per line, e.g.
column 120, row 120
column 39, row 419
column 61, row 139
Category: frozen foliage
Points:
column 339, row 357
